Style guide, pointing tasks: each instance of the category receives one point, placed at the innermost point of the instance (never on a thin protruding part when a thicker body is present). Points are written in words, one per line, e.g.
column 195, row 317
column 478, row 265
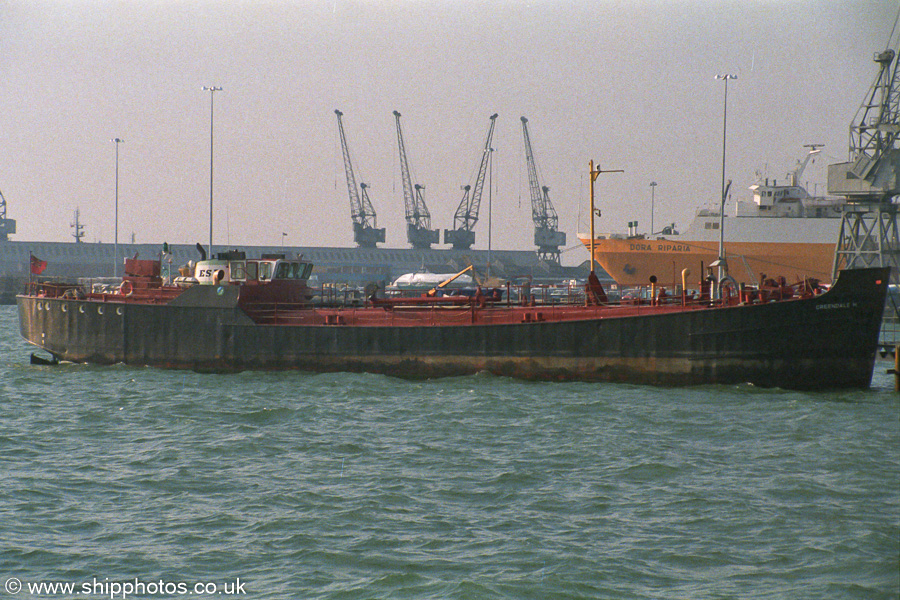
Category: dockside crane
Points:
column 418, row 219
column 462, row 236
column 7, row 226
column 547, row 236
column 870, row 179
column 365, row 230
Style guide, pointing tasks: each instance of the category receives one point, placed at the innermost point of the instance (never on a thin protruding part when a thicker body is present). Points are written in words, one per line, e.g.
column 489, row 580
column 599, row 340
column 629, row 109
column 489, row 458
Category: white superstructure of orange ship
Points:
column 782, row 231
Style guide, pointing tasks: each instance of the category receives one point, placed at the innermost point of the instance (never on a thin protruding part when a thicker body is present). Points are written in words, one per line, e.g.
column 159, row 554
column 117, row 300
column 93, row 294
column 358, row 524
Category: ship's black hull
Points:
column 825, row 342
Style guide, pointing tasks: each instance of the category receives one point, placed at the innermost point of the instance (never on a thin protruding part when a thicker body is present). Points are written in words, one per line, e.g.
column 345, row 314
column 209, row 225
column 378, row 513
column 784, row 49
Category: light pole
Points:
column 117, row 141
column 723, row 267
column 212, row 91
column 652, row 197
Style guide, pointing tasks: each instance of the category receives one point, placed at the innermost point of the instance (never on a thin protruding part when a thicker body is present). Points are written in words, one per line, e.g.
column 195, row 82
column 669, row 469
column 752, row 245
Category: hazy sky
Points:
column 629, row 84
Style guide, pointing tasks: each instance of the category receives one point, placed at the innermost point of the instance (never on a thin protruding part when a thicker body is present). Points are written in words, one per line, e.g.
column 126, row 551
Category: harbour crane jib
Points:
column 366, row 233
column 462, row 236
column 547, row 236
column 870, row 179
column 873, row 169
column 418, row 219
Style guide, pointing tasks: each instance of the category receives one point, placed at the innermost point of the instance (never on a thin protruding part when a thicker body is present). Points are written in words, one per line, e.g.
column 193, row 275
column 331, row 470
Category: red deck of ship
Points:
column 442, row 315
column 411, row 312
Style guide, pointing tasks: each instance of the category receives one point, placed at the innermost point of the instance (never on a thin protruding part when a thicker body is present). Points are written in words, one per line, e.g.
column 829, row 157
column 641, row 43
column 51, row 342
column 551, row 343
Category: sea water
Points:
column 125, row 482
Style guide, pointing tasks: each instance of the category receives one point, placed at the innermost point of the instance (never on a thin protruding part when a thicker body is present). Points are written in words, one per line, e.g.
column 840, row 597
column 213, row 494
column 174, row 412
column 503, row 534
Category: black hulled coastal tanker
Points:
column 235, row 313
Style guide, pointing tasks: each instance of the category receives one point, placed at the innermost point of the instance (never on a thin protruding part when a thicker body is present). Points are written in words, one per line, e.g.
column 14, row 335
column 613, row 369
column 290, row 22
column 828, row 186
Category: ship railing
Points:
column 50, row 287
column 103, row 289
column 538, row 294
column 424, row 314
column 770, row 290
column 409, row 312
column 536, row 297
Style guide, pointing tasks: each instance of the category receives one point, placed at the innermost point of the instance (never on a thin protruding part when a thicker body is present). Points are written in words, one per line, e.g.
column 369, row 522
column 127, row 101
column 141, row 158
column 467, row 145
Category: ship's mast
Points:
column 79, row 228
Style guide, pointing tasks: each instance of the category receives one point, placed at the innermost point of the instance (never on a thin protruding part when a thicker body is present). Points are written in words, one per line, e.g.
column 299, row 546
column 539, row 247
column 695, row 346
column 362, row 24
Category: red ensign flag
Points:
column 37, row 265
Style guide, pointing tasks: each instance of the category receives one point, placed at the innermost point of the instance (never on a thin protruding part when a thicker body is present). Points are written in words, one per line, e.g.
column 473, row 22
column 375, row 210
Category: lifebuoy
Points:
column 126, row 289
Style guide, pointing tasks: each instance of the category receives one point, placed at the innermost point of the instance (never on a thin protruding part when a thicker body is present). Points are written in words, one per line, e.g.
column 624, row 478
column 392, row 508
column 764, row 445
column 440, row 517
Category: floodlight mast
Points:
column 722, row 262
column 212, row 91
column 117, row 141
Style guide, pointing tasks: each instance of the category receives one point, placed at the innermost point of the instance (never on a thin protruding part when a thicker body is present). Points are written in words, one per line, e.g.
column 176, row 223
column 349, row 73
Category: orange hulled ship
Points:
column 781, row 230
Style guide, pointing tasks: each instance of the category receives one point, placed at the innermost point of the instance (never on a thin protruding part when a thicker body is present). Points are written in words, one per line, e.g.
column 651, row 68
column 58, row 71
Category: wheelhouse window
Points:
column 282, row 271
column 238, row 270
column 265, row 271
column 293, row 270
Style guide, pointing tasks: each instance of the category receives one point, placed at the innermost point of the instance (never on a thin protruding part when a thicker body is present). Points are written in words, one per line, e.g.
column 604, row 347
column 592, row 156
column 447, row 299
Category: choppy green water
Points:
column 361, row 486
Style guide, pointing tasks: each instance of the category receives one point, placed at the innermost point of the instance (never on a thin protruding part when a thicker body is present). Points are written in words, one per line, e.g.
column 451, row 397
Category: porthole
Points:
column 99, row 310
column 81, row 309
column 120, row 311
column 64, row 307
